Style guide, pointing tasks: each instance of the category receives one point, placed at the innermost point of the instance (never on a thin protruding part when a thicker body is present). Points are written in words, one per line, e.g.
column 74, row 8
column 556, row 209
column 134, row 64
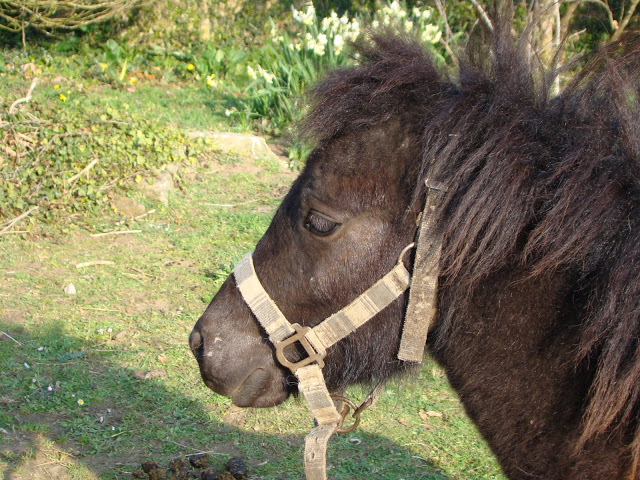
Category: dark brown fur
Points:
column 539, row 299
column 537, row 186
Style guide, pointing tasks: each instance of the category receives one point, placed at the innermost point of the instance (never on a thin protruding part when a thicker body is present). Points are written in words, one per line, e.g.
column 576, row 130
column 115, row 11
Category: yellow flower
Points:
column 190, row 67
column 56, row 87
column 132, row 80
column 63, row 97
column 80, row 402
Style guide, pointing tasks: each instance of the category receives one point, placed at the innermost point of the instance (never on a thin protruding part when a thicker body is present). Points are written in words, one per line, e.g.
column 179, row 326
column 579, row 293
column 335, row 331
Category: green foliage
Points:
column 67, row 153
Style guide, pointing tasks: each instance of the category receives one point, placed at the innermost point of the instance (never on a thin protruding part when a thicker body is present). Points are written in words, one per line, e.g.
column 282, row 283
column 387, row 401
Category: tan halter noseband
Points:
column 318, row 339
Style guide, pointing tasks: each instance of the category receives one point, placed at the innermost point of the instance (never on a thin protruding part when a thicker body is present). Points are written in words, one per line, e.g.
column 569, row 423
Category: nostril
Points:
column 196, row 344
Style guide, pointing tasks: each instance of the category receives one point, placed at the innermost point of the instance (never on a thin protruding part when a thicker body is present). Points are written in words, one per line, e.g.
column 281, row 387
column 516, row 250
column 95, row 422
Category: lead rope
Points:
column 318, row 339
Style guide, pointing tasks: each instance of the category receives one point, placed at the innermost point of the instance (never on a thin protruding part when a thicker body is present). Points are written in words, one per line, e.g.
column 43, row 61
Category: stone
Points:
column 127, row 206
column 158, row 189
column 242, row 144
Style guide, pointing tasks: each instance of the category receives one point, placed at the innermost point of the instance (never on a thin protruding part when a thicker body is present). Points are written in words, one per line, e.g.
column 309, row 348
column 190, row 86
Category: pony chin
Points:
column 260, row 388
column 234, row 360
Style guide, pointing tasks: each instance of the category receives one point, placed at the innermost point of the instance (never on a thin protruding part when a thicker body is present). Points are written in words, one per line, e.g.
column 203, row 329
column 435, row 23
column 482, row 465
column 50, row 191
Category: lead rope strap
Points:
column 422, row 295
column 311, row 384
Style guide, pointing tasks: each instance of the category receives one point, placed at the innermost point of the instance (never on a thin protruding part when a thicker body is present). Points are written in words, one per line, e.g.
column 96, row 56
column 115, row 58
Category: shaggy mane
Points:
column 547, row 184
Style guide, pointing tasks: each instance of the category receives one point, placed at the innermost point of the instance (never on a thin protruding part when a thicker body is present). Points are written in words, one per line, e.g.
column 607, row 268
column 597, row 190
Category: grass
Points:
column 70, row 406
column 136, row 314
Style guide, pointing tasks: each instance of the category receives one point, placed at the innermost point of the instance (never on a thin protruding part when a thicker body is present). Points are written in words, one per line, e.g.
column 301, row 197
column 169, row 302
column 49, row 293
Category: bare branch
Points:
column 447, row 32
column 612, row 22
column 483, row 15
column 59, row 14
column 625, row 20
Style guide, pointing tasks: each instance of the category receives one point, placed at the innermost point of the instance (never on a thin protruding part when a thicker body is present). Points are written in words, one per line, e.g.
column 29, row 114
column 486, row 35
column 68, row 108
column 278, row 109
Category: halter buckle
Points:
column 299, row 336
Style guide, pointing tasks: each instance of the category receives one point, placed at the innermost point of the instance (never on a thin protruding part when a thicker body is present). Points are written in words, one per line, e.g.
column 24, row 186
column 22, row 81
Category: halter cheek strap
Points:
column 317, row 340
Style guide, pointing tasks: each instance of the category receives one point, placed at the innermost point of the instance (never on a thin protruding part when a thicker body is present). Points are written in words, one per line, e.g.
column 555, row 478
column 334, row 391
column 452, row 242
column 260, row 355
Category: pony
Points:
column 537, row 321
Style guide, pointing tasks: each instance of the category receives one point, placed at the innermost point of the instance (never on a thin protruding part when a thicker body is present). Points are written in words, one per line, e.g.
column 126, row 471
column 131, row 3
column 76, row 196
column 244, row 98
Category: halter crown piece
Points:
column 317, row 340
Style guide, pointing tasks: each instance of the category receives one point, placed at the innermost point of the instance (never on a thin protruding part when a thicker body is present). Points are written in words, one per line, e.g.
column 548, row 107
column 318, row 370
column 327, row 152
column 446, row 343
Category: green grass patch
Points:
column 69, row 395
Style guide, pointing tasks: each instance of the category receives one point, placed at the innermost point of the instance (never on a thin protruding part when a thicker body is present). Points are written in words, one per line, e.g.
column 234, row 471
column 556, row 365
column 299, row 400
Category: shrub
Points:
column 15, row 16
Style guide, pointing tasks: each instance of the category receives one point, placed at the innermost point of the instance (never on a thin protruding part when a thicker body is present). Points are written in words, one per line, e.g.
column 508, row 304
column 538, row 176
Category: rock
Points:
column 243, row 144
column 173, row 168
column 127, row 206
column 158, row 189
column 237, row 468
column 70, row 289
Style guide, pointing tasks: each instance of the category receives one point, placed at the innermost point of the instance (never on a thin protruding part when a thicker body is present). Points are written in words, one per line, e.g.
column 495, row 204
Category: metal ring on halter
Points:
column 404, row 252
column 347, row 406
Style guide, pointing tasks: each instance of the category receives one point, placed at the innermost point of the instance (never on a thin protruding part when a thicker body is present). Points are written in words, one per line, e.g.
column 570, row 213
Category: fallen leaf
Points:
column 162, row 358
column 425, row 415
column 118, row 337
column 70, row 289
column 403, row 422
column 140, row 375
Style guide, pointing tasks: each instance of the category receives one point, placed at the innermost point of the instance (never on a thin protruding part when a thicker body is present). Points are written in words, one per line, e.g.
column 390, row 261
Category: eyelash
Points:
column 319, row 224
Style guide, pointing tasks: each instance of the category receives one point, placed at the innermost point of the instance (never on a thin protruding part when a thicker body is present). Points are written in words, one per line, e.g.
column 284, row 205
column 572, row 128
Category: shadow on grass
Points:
column 70, row 409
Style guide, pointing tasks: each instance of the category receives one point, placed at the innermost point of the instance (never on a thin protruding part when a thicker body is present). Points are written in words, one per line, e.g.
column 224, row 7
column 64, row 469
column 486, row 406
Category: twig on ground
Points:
column 100, row 309
column 94, row 262
column 117, row 232
column 142, row 273
column 10, row 338
column 145, row 214
column 11, row 223
column 83, row 171
column 228, row 205
column 12, row 108
column 13, row 231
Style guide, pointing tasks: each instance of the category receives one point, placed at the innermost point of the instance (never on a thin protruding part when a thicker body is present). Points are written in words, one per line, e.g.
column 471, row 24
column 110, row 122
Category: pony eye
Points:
column 319, row 224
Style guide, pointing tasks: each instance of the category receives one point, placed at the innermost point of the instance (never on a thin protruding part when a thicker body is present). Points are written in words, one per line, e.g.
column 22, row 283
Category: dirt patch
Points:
column 31, row 457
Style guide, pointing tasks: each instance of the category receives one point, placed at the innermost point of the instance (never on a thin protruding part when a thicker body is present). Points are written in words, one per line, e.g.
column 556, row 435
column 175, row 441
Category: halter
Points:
column 318, row 339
